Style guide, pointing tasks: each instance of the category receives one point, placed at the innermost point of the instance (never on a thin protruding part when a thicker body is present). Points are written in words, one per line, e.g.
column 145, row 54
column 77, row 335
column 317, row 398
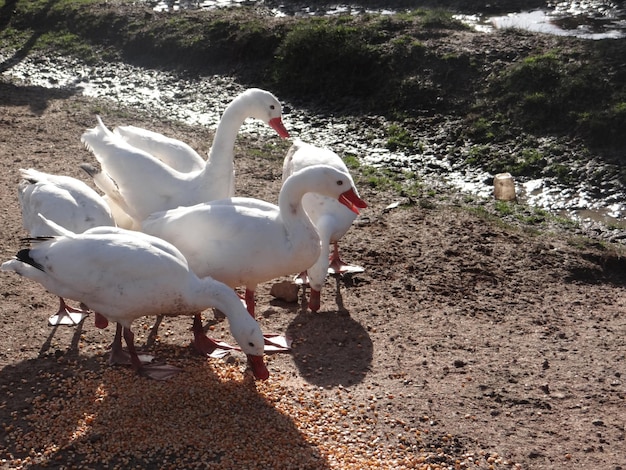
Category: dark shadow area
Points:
column 19, row 54
column 6, row 13
column 330, row 348
column 601, row 268
column 73, row 347
column 35, row 97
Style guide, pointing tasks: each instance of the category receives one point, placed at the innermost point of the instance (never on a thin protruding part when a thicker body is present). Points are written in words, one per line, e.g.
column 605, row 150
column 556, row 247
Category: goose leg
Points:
column 314, row 300
column 337, row 265
column 118, row 356
column 129, row 337
column 250, row 301
column 152, row 371
column 100, row 321
column 302, row 279
column 154, row 331
column 67, row 315
column 273, row 343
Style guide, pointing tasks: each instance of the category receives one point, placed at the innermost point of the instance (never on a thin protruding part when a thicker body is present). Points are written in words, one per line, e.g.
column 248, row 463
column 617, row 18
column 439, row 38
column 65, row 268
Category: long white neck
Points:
column 290, row 203
column 207, row 292
column 220, row 159
column 218, row 176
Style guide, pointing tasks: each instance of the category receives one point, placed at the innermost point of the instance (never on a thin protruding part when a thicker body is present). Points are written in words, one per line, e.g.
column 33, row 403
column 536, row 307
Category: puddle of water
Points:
column 578, row 205
column 541, row 21
column 583, row 19
column 201, row 100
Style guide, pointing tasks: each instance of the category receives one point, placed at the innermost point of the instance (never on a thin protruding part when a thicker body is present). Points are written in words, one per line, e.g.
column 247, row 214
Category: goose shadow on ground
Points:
column 37, row 98
column 330, row 348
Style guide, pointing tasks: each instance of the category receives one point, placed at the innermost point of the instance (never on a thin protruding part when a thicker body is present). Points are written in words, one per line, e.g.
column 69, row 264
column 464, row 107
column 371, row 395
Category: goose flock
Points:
column 168, row 236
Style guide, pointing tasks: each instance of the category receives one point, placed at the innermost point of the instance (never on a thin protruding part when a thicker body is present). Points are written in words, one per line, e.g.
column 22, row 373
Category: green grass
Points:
column 352, row 162
column 557, row 92
column 399, row 138
column 354, row 69
column 504, row 208
column 404, row 183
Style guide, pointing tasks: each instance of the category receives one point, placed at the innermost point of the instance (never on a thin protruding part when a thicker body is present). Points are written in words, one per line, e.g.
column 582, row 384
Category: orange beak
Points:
column 258, row 367
column 277, row 124
column 352, row 201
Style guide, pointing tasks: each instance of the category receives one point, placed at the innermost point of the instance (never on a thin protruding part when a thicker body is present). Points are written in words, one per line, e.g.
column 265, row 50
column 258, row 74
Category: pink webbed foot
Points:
column 159, row 371
column 67, row 315
column 337, row 266
column 302, row 279
column 277, row 343
column 205, row 345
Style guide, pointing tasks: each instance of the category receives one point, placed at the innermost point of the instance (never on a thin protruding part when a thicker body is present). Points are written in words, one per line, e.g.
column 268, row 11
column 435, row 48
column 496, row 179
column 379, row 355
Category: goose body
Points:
column 123, row 275
column 68, row 202
column 331, row 219
column 140, row 183
column 245, row 241
column 173, row 152
column 65, row 200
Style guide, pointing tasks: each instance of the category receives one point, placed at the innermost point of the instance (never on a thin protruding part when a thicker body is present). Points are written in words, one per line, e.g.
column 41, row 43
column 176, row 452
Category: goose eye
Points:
column 272, row 107
column 339, row 183
column 251, row 344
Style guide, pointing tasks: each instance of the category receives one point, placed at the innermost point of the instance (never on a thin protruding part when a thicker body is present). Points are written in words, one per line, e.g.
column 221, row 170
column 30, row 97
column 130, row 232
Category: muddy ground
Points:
column 465, row 343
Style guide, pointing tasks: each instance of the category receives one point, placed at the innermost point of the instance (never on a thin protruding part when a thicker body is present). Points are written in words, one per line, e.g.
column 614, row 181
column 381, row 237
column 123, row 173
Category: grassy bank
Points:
column 406, row 66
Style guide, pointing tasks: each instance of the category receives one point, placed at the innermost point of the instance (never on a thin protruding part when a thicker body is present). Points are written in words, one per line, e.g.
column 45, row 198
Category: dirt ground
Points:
column 466, row 343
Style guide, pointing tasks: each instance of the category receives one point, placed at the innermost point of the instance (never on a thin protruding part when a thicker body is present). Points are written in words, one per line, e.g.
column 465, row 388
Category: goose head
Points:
column 265, row 106
column 246, row 332
column 327, row 181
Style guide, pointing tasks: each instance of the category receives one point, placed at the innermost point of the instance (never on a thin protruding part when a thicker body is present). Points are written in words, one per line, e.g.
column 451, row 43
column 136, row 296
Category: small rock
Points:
column 285, row 290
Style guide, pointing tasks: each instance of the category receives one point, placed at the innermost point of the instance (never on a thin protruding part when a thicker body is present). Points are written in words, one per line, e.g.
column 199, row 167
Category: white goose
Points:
column 141, row 184
column 245, row 241
column 124, row 275
column 331, row 218
column 172, row 152
column 69, row 203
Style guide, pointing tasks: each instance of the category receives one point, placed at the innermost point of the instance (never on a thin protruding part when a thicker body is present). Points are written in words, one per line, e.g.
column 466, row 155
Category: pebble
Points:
column 285, row 290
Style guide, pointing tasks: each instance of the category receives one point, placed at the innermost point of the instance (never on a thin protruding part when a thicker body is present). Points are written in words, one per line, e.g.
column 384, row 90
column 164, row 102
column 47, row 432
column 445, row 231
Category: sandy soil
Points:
column 465, row 343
